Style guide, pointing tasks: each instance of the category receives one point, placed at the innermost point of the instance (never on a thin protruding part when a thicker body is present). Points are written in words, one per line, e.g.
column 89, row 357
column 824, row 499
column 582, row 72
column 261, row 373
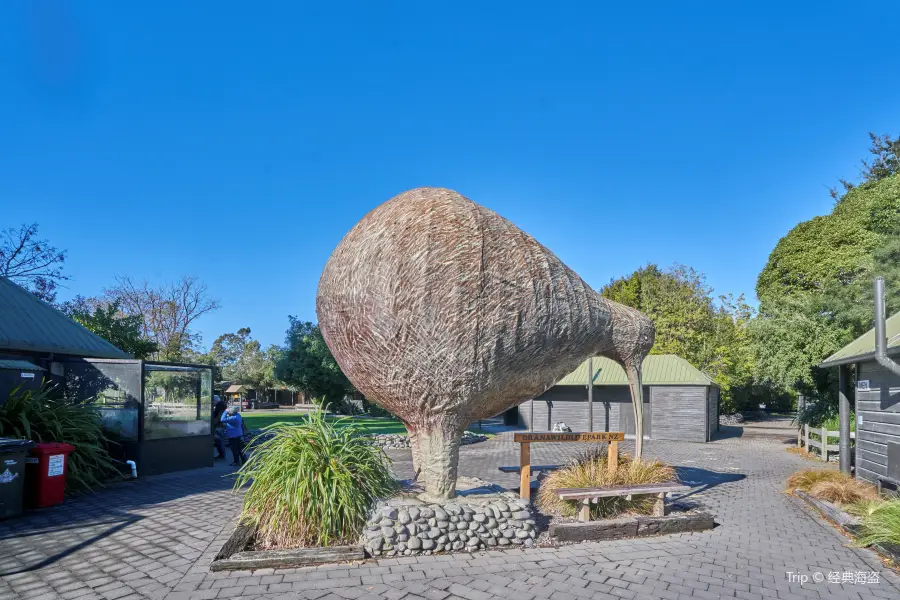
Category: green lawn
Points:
column 259, row 419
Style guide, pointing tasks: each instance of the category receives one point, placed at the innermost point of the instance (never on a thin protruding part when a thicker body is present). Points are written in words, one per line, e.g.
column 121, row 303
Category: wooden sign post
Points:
column 526, row 439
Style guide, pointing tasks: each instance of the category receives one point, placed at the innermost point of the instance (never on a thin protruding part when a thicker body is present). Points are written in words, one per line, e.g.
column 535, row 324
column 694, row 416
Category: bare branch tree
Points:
column 167, row 311
column 32, row 263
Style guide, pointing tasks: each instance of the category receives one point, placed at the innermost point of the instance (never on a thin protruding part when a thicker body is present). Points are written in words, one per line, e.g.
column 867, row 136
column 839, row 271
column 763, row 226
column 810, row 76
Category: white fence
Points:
column 804, row 441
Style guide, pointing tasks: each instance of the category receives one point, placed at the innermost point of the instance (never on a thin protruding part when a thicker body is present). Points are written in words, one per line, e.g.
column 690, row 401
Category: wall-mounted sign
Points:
column 862, row 385
column 27, row 375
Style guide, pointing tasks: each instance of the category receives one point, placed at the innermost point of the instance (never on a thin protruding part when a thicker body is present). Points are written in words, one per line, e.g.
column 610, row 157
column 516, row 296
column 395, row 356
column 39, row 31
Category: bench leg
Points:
column 659, row 508
column 584, row 515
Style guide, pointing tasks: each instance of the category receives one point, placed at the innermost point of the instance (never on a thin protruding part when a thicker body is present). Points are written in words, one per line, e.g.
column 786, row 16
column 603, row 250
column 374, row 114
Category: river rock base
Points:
column 482, row 516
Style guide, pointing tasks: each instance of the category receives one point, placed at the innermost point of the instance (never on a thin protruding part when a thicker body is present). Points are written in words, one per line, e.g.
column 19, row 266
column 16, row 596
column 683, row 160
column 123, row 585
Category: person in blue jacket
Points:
column 234, row 431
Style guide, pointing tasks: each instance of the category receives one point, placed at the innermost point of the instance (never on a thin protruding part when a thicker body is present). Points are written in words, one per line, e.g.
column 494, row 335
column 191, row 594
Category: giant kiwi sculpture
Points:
column 443, row 312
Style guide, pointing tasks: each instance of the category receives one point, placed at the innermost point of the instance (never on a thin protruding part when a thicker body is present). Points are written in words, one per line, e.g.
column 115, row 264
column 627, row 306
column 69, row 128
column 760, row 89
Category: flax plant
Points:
column 312, row 483
column 46, row 416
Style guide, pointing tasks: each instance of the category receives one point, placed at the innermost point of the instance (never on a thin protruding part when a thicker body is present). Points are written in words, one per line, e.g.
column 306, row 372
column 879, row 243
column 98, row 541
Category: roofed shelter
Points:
column 158, row 413
column 34, row 335
column 680, row 401
column 877, row 451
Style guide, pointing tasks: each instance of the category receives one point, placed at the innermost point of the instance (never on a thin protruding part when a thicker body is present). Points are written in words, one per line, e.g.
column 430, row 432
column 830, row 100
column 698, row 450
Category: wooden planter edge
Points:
column 234, row 555
column 630, row 527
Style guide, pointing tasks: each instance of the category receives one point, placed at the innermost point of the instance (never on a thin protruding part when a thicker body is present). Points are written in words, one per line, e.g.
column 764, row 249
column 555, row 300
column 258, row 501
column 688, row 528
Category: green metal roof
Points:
column 863, row 348
column 658, row 369
column 28, row 324
column 20, row 365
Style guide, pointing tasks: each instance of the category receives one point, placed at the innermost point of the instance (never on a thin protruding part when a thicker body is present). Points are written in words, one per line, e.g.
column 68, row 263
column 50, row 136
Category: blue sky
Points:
column 239, row 142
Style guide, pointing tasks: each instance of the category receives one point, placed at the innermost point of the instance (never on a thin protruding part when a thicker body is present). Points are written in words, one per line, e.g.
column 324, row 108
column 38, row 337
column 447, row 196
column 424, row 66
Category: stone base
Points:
column 630, row 527
column 482, row 516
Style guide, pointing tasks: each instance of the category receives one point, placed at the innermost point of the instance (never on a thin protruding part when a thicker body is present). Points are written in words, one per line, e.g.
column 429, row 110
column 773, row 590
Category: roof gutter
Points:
column 881, row 330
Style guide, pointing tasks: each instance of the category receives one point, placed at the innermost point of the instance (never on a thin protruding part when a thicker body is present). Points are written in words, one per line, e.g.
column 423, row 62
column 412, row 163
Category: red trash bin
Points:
column 45, row 474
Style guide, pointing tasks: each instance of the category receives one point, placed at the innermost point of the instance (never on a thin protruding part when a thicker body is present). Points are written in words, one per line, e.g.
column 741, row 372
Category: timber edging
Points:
column 629, row 527
column 234, row 555
column 847, row 524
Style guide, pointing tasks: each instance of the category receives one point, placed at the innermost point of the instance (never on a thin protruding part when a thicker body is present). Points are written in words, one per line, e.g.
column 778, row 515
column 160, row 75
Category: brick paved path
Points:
column 154, row 538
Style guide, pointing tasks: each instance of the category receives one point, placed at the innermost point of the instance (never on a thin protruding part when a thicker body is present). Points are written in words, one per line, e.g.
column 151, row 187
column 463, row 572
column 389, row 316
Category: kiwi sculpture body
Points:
column 443, row 312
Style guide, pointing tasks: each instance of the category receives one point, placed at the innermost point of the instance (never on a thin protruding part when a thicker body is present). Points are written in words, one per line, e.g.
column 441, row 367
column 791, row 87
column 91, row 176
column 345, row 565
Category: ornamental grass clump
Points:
column 806, row 479
column 833, row 486
column 590, row 471
column 313, row 483
column 879, row 521
column 845, row 492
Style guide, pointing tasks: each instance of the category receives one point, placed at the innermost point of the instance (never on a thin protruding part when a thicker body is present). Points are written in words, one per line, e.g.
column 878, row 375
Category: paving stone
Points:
column 154, row 538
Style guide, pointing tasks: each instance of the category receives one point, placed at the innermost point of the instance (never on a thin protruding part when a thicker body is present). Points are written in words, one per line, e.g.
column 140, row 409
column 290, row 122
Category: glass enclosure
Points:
column 140, row 400
column 157, row 413
column 175, row 401
column 115, row 387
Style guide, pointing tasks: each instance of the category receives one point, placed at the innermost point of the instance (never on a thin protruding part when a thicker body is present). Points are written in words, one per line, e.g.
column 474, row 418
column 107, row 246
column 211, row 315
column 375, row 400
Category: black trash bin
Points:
column 12, row 475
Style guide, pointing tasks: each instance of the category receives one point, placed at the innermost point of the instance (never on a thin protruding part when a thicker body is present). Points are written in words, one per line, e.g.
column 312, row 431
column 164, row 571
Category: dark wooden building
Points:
column 159, row 413
column 877, row 452
column 35, row 338
column 680, row 401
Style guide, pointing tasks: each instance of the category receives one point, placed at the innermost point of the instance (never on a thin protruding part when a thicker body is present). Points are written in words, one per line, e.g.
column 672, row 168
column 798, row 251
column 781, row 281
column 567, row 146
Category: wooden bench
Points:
column 534, row 468
column 591, row 495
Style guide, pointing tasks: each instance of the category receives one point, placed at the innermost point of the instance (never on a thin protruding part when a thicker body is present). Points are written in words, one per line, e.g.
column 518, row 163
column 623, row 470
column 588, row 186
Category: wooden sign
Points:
column 526, row 439
column 595, row 436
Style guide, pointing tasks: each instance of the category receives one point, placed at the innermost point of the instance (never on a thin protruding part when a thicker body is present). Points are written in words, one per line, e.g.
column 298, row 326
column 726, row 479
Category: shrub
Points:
column 880, row 522
column 345, row 406
column 312, row 483
column 833, row 423
column 45, row 416
column 819, row 413
column 590, row 470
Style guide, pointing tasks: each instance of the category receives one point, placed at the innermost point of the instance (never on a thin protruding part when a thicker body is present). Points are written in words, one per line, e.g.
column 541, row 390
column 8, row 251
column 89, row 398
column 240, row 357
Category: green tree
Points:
column 254, row 367
column 791, row 337
column 849, row 306
column 815, row 291
column 306, row 363
column 709, row 333
column 226, row 351
column 241, row 359
column 107, row 321
column 837, row 248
